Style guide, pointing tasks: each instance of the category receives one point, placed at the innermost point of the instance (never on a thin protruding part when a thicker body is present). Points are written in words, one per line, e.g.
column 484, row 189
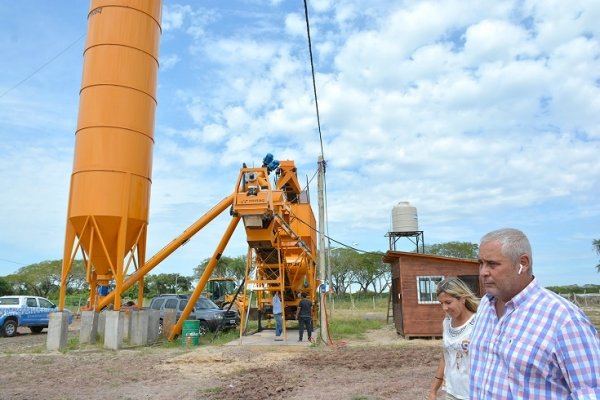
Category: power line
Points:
column 330, row 238
column 11, row 261
column 312, row 67
column 311, row 179
column 41, row 67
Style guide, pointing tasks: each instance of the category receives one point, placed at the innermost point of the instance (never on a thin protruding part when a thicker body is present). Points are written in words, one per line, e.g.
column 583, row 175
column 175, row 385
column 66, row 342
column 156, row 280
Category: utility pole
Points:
column 322, row 270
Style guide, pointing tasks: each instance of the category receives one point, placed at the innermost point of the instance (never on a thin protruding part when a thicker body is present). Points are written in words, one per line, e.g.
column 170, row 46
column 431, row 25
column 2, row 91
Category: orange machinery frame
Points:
column 109, row 197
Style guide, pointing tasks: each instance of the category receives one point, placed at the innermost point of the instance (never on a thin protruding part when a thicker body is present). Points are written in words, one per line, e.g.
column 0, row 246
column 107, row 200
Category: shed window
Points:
column 426, row 288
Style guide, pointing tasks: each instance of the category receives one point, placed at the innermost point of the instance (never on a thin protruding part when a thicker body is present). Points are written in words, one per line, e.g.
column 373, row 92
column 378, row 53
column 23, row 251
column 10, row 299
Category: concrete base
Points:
column 58, row 327
column 169, row 319
column 89, row 327
column 153, row 325
column 138, row 330
column 113, row 330
column 267, row 338
column 101, row 326
column 126, row 324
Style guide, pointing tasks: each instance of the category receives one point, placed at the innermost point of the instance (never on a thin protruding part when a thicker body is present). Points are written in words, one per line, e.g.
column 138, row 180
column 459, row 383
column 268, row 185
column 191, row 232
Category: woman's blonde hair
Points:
column 456, row 288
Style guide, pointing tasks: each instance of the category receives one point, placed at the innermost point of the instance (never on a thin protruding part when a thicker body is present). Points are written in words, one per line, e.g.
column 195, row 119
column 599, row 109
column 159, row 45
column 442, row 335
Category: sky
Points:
column 482, row 115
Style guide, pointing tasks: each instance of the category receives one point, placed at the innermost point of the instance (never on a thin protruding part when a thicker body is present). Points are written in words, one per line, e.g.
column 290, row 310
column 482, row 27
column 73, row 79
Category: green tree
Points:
column 341, row 262
column 368, row 270
column 230, row 267
column 5, row 288
column 596, row 244
column 166, row 283
column 132, row 292
column 77, row 281
column 43, row 278
column 454, row 249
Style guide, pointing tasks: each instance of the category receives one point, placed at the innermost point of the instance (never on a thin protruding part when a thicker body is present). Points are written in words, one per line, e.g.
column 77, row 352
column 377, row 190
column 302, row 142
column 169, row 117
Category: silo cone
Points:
column 110, row 186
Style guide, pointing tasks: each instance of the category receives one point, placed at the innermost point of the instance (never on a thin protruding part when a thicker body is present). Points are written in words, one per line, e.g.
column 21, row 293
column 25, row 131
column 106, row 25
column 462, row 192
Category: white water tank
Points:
column 404, row 218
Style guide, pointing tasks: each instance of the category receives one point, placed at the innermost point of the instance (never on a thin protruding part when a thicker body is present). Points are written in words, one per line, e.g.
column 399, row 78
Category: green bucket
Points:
column 190, row 333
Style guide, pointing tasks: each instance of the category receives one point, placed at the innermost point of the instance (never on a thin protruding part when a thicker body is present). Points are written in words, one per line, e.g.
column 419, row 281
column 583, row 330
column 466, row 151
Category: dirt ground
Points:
column 383, row 366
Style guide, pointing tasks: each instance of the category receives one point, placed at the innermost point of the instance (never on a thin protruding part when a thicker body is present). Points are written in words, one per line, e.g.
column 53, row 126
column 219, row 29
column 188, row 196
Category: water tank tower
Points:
column 405, row 224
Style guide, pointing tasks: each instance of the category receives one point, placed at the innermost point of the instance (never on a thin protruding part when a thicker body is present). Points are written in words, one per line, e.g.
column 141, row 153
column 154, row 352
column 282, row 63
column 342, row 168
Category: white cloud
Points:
column 496, row 41
column 236, row 117
column 173, row 16
column 197, row 111
column 557, row 22
column 33, row 209
column 295, row 25
column 213, row 133
column 169, row 61
column 321, row 5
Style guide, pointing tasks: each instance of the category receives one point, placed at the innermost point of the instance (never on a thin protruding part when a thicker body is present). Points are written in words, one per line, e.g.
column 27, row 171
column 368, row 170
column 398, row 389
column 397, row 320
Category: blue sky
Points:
column 480, row 114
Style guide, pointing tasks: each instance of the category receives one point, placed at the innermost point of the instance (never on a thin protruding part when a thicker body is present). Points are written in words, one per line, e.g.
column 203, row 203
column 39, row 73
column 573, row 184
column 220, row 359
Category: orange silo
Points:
column 110, row 186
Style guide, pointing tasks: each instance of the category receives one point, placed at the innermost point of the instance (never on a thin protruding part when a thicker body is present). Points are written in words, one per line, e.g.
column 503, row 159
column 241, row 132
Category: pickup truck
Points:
column 30, row 311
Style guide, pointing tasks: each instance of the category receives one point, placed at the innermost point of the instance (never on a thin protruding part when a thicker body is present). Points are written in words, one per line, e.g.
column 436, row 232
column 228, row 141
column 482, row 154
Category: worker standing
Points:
column 304, row 317
column 277, row 315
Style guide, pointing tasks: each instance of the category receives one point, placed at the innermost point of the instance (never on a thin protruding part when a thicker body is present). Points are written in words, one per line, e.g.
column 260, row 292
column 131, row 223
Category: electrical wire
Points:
column 41, row 67
column 332, row 239
column 312, row 68
column 12, row 262
column 322, row 158
column 310, row 180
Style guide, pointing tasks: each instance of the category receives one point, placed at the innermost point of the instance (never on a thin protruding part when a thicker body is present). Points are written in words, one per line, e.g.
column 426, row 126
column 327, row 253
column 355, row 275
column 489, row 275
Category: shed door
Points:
column 397, row 306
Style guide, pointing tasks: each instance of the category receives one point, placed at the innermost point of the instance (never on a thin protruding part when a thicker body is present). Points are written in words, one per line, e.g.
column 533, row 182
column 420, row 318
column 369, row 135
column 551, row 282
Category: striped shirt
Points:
column 543, row 347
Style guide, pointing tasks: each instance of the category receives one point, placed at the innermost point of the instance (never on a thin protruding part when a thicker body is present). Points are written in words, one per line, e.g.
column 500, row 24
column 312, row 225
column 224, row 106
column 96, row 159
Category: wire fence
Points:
column 583, row 299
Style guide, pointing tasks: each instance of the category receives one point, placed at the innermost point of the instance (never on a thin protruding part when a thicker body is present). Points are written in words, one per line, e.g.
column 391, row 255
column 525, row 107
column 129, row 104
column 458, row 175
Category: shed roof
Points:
column 390, row 256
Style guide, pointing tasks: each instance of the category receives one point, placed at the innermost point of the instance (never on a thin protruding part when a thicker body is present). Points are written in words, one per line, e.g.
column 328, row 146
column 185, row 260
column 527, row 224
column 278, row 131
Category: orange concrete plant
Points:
column 109, row 198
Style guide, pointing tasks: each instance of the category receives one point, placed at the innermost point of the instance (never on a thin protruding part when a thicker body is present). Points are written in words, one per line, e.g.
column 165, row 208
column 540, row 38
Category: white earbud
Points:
column 520, row 269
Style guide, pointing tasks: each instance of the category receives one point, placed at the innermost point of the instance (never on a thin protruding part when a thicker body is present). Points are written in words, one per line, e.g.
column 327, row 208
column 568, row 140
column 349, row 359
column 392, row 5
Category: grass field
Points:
column 351, row 316
column 593, row 312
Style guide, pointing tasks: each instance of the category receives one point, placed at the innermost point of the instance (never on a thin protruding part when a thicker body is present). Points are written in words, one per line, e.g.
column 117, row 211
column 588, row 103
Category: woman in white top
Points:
column 460, row 305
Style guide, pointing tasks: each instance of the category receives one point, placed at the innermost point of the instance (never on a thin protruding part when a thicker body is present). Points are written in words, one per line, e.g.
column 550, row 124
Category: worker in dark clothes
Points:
column 304, row 317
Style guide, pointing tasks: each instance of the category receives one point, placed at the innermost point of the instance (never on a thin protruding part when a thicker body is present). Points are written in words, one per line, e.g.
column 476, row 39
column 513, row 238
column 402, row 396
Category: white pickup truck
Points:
column 30, row 311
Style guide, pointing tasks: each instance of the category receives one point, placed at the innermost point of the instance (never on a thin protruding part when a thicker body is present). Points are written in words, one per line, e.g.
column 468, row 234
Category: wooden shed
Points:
column 415, row 276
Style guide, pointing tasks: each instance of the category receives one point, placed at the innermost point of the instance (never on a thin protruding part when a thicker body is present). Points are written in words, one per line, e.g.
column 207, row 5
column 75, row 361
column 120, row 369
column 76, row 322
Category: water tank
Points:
column 404, row 218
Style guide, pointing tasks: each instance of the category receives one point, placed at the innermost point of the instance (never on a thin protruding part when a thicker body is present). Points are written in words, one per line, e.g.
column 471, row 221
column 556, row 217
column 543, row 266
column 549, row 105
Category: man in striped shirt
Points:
column 528, row 343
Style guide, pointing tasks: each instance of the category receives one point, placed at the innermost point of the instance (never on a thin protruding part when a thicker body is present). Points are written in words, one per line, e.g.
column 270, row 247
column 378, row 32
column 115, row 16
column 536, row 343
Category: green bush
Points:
column 575, row 289
column 352, row 328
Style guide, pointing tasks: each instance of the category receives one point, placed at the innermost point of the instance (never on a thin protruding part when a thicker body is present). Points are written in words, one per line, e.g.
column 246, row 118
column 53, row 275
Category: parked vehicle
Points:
column 30, row 311
column 211, row 317
column 227, row 294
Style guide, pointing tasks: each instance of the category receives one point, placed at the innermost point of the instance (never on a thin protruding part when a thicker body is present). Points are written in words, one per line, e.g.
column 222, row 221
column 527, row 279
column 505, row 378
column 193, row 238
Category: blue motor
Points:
column 268, row 158
column 270, row 163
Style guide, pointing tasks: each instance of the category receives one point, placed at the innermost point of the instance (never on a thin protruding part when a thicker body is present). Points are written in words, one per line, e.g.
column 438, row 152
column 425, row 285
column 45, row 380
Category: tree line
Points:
column 349, row 271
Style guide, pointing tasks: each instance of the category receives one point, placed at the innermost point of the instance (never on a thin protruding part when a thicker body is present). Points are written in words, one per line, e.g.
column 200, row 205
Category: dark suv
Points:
column 210, row 315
